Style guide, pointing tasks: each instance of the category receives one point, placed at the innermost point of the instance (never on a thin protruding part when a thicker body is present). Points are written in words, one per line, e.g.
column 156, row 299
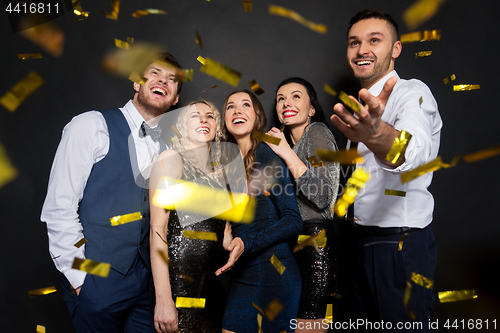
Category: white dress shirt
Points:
column 410, row 107
column 84, row 142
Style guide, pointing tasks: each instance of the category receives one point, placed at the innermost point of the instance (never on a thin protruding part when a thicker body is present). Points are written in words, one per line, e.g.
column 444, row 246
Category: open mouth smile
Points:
column 203, row 130
column 159, row 91
column 289, row 113
column 238, row 121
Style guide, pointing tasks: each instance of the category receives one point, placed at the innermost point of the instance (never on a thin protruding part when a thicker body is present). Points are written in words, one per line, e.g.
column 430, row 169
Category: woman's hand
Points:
column 236, row 248
column 283, row 147
column 165, row 316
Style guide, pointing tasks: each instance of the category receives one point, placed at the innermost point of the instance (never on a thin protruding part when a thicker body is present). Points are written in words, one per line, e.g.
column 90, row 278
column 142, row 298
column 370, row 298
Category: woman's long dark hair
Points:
column 259, row 125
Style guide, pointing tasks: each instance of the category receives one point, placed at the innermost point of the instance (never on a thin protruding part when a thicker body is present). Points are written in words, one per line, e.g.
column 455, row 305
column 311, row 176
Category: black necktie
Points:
column 154, row 133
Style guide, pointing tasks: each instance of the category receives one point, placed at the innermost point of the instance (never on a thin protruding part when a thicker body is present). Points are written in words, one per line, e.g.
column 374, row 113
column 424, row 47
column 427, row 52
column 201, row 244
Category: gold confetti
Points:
column 115, row 9
column 190, row 302
column 258, row 308
column 212, row 87
column 40, row 329
column 80, row 242
column 449, row 79
column 48, row 36
column 204, row 200
column 420, row 12
column 257, row 135
column 433, row 165
column 219, row 71
column 77, row 9
column 277, row 264
column 349, row 102
column 201, row 60
column 24, row 56
column 247, row 4
column 456, row 295
column 281, row 11
column 122, row 219
column 198, row 38
column 356, row 181
column 422, row 54
column 148, row 11
column 315, row 162
column 205, row 235
column 401, row 241
column 42, row 291
column 420, row 100
column 176, row 131
column 184, row 75
column 421, row 36
column 395, row 193
column 255, row 87
column 305, row 240
column 7, row 171
column 329, row 90
column 329, row 313
column 273, row 309
column 344, row 157
column 421, row 280
column 282, row 128
column 130, row 40
column 406, row 300
column 259, row 323
column 135, row 77
column 20, row 91
column 398, row 148
column 121, row 44
column 92, row 267
column 482, row 154
column 466, row 87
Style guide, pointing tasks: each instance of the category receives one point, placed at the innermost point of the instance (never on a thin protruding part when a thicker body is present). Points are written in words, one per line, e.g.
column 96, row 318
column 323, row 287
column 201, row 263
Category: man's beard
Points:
column 154, row 109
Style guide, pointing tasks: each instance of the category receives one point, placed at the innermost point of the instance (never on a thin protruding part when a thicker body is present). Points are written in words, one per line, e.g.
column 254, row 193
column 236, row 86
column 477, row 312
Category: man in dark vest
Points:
column 94, row 180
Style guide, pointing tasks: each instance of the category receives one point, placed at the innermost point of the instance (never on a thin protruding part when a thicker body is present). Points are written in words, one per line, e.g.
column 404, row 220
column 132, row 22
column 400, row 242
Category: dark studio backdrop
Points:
column 266, row 48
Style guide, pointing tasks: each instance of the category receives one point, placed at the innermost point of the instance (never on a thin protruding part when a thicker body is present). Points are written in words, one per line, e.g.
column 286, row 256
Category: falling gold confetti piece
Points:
column 395, row 193
column 259, row 323
column 247, row 4
column 190, row 302
column 449, row 79
column 255, row 87
column 121, row 44
column 398, row 148
column 198, row 38
column 40, row 329
column 401, row 241
column 92, row 267
column 281, row 11
column 329, row 90
column 201, row 60
column 205, row 235
column 122, row 219
column 20, row 91
column 482, row 154
column 421, row 36
column 456, row 295
column 421, row 280
column 315, row 162
column 273, row 309
column 422, row 54
column 344, row 157
column 148, row 11
column 305, row 240
column 24, row 56
column 258, row 308
column 212, row 87
column 420, row 12
column 282, row 128
column 7, row 171
column 115, row 9
column 135, row 77
column 42, row 291
column 48, row 36
column 80, row 242
column 420, row 100
column 130, row 40
column 220, row 71
column 176, row 131
column 357, row 180
column 77, row 9
column 184, row 75
column 329, row 313
column 277, row 264
column 257, row 135
column 349, row 102
column 466, row 87
column 406, row 300
column 433, row 165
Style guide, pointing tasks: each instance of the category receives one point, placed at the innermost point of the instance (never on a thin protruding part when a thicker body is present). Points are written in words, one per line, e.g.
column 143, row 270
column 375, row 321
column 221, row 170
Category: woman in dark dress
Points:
column 257, row 282
column 192, row 262
column 298, row 109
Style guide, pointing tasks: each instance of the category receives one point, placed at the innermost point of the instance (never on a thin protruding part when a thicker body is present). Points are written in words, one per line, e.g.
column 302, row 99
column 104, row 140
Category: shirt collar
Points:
column 134, row 115
column 376, row 89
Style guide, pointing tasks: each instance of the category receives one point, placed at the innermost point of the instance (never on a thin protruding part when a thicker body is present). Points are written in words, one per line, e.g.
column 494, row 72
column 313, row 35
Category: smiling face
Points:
column 371, row 50
column 239, row 115
column 293, row 105
column 158, row 93
column 201, row 124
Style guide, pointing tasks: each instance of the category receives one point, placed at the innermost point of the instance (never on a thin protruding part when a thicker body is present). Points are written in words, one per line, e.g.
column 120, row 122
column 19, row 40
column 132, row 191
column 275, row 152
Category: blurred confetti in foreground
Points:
column 433, row 165
column 354, row 183
column 220, row 71
column 349, row 102
column 20, row 91
column 420, row 12
column 7, row 171
column 421, row 36
column 482, row 154
column 115, row 9
column 259, row 136
column 281, row 11
column 48, row 36
column 25, row 56
column 344, row 157
column 148, row 11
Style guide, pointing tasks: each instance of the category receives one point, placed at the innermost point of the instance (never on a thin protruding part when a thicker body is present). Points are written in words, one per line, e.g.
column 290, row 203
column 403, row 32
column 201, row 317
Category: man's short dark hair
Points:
column 165, row 56
column 373, row 13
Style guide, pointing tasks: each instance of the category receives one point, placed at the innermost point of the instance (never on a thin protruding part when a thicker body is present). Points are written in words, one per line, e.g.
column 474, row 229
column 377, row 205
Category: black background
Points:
column 267, row 48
